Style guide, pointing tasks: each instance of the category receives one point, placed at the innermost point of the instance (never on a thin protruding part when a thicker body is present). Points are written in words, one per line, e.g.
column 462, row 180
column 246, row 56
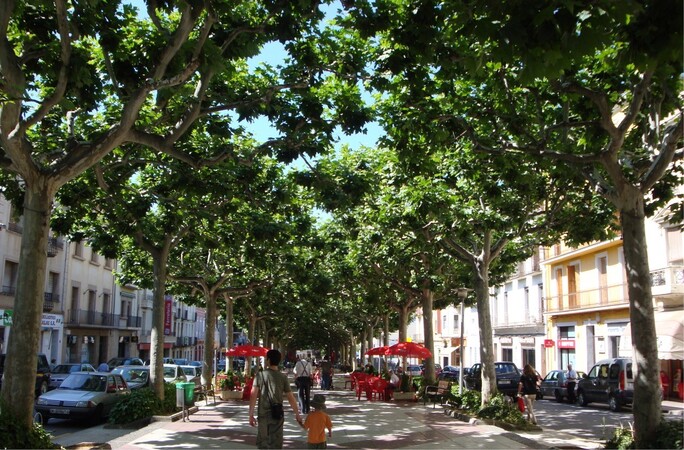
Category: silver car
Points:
column 173, row 373
column 136, row 377
column 89, row 395
column 61, row 371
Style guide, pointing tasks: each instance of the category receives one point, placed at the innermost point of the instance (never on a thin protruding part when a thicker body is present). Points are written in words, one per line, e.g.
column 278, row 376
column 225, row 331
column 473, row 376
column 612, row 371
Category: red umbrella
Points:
column 379, row 351
column 247, row 350
column 409, row 349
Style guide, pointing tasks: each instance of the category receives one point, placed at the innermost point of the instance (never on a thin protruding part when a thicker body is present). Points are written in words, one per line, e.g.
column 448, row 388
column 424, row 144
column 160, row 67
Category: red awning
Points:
column 146, row 345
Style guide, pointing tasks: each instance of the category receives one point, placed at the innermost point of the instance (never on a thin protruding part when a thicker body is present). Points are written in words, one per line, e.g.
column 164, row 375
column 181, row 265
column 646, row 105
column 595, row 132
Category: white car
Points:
column 173, row 373
column 193, row 374
column 413, row 370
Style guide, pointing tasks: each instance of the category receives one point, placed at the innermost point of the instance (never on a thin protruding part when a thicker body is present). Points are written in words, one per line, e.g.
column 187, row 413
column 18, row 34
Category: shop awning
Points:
column 670, row 332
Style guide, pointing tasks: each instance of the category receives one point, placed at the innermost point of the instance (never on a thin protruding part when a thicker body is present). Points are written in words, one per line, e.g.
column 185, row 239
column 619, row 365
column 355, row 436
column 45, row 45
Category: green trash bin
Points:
column 185, row 392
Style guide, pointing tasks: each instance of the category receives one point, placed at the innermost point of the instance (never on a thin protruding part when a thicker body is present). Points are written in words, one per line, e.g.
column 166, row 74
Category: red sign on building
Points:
column 168, row 314
column 548, row 343
column 566, row 343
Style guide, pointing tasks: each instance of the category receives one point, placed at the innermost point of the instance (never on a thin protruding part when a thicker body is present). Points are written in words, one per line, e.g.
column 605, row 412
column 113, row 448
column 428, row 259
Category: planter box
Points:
column 405, row 396
column 231, row 395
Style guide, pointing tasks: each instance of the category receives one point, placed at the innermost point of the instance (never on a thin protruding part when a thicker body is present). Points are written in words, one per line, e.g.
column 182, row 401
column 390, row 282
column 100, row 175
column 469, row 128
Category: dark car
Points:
column 61, row 371
column 89, row 395
column 42, row 374
column 136, row 377
column 451, row 374
column 121, row 361
column 555, row 384
column 609, row 381
column 507, row 377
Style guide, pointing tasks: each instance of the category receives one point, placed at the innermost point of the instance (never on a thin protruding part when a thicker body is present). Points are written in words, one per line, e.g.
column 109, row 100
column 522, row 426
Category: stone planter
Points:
column 231, row 395
column 404, row 396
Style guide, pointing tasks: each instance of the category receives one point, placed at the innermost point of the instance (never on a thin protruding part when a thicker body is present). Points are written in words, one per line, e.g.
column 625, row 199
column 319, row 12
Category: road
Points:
column 594, row 421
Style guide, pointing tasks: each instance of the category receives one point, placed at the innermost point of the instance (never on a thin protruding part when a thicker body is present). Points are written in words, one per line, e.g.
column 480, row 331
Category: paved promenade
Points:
column 356, row 424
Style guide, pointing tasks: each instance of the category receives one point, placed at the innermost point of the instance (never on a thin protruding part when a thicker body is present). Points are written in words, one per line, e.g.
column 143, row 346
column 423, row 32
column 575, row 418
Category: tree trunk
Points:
column 647, row 404
column 229, row 329
column 18, row 385
column 427, row 301
column 209, row 327
column 159, row 258
column 481, row 283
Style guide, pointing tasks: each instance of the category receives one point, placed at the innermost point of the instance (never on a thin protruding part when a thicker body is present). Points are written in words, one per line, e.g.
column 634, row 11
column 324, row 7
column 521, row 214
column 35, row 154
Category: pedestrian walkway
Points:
column 356, row 424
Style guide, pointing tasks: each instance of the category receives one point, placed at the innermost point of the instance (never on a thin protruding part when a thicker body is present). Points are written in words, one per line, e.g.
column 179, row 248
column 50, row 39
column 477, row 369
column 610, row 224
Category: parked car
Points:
column 89, row 395
column 42, row 374
column 507, row 377
column 413, row 370
column 451, row 374
column 555, row 384
column 180, row 361
column 196, row 363
column 116, row 362
column 61, row 371
column 609, row 381
column 173, row 373
column 438, row 369
column 193, row 374
column 136, row 377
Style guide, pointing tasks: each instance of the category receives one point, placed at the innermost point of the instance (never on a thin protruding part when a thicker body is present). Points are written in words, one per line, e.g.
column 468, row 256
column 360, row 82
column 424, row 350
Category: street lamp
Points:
column 462, row 293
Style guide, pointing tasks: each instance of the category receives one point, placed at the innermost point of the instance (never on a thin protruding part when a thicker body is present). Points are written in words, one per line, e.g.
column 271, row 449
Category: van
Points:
column 609, row 381
column 42, row 373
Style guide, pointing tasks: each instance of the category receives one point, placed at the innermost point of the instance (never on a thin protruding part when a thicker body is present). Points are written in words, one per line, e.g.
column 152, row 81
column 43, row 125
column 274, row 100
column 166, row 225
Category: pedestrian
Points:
column 393, row 385
column 326, row 377
column 303, row 373
column 527, row 389
column 53, row 364
column 572, row 382
column 317, row 422
column 103, row 367
column 270, row 387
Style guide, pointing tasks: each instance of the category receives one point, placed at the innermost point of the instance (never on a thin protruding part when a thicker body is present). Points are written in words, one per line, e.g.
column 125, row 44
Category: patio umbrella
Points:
column 247, row 350
column 377, row 351
column 408, row 349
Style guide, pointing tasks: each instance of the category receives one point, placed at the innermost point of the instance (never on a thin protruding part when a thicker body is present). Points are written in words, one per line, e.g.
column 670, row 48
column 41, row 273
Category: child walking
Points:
column 317, row 422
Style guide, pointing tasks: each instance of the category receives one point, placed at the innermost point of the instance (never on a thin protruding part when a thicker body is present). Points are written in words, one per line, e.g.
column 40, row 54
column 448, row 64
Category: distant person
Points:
column 326, row 374
column 53, row 364
column 271, row 386
column 527, row 389
column 303, row 373
column 394, row 384
column 317, row 422
column 103, row 367
column 572, row 382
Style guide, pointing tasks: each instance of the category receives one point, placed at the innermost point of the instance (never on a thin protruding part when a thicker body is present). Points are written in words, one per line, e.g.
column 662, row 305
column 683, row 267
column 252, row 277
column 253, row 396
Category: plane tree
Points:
column 81, row 79
column 593, row 87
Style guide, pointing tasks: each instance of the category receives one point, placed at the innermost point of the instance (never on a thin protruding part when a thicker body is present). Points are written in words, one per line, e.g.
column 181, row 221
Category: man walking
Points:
column 303, row 371
column 270, row 387
column 326, row 374
column 572, row 382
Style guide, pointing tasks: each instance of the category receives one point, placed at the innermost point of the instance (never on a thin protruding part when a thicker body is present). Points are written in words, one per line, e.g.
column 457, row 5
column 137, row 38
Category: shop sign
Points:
column 566, row 343
column 51, row 321
column 527, row 340
column 168, row 314
column 548, row 343
column 506, row 340
column 6, row 317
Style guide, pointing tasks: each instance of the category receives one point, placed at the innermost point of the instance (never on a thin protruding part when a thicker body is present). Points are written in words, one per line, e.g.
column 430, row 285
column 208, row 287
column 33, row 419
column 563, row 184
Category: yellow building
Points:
column 586, row 305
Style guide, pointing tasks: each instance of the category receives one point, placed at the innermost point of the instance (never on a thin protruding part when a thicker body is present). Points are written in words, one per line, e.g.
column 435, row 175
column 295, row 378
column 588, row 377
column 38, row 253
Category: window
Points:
column 108, row 263
column 444, row 322
column 572, row 286
column 602, row 264
column 78, row 249
column 456, row 323
column 9, row 278
column 75, row 304
column 94, row 258
column 675, row 252
column 507, row 354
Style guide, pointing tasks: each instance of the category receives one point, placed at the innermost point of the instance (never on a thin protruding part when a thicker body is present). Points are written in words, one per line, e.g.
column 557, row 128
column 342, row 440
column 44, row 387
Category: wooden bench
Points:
column 206, row 391
column 440, row 392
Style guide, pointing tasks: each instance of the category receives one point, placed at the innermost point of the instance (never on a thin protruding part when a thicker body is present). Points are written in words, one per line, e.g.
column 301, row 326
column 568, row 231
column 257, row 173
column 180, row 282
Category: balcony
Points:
column 668, row 282
column 609, row 297
column 91, row 318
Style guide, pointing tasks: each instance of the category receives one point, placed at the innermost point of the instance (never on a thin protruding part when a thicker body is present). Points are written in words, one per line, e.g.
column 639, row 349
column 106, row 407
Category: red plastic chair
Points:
column 360, row 383
column 379, row 389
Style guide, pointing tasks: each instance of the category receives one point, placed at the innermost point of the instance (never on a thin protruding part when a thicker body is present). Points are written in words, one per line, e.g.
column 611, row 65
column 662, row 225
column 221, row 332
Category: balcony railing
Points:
column 609, row 296
column 8, row 290
column 98, row 318
column 668, row 281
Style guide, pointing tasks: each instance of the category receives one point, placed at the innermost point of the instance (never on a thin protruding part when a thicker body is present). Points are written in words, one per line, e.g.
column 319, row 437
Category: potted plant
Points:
column 228, row 386
column 405, row 391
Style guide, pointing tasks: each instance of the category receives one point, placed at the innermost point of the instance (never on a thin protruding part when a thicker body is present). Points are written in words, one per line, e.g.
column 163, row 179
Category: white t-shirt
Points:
column 572, row 375
column 303, row 368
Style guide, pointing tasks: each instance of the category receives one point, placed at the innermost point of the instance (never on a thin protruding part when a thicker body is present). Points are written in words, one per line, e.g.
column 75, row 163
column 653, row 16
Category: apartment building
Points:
column 517, row 315
column 87, row 316
column 587, row 303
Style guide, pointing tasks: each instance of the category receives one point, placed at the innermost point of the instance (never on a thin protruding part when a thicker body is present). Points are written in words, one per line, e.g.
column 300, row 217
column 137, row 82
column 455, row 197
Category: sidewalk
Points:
column 356, row 424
